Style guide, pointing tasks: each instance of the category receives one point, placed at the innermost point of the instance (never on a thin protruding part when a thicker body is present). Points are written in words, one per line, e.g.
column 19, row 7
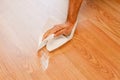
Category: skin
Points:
column 66, row 28
column 62, row 29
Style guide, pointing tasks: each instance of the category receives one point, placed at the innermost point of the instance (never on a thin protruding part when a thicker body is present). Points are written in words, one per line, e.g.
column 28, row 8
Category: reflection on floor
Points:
column 93, row 53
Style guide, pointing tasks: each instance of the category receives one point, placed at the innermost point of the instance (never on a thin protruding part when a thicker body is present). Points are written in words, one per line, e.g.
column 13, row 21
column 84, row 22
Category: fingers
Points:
column 60, row 32
column 52, row 31
column 55, row 29
column 46, row 34
column 62, row 29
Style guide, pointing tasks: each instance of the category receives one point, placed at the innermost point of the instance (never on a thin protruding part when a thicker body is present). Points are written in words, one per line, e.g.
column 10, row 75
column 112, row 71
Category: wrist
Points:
column 69, row 23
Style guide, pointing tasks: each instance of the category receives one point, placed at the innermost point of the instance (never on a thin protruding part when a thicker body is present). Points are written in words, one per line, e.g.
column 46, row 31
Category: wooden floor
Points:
column 93, row 53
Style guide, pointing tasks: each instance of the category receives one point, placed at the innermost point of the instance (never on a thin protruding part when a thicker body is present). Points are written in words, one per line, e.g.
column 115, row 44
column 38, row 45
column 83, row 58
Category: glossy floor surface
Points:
column 92, row 54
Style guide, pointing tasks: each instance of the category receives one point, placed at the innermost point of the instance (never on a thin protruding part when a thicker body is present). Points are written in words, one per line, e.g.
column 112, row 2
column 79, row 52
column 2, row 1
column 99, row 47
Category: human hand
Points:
column 61, row 29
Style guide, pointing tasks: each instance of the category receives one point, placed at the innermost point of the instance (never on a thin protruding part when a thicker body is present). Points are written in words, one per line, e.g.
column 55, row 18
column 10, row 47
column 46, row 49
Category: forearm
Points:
column 73, row 10
column 66, row 28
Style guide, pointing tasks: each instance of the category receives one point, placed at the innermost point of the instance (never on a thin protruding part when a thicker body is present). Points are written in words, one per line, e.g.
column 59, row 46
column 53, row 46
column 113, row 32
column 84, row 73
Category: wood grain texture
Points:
column 92, row 54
